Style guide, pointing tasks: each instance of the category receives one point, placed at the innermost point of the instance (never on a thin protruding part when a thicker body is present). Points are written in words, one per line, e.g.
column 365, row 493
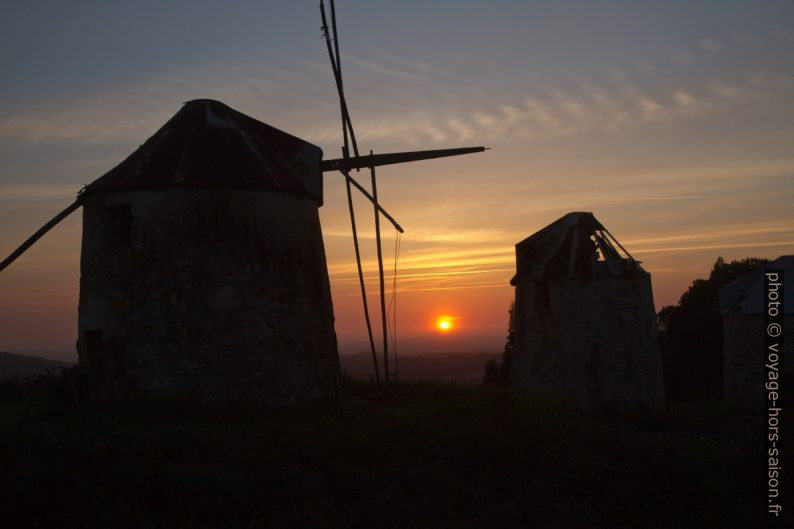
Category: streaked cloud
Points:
column 709, row 45
column 683, row 56
column 723, row 246
column 132, row 112
column 39, row 192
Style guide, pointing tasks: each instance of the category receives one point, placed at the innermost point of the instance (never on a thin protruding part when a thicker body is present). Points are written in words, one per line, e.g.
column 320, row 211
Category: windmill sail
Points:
column 375, row 160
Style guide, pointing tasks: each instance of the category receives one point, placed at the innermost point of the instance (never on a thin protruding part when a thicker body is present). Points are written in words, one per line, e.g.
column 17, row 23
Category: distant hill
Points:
column 21, row 366
column 464, row 368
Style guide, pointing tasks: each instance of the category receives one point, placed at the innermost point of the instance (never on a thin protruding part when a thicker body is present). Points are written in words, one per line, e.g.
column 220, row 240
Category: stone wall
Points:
column 744, row 358
column 593, row 342
column 206, row 293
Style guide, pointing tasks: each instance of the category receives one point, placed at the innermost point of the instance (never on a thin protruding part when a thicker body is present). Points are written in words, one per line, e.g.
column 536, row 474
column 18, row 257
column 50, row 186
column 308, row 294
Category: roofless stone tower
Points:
column 203, row 270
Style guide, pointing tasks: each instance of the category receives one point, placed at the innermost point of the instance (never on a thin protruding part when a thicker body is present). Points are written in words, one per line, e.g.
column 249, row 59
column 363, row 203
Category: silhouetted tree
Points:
column 507, row 369
column 504, row 372
column 690, row 334
column 491, row 376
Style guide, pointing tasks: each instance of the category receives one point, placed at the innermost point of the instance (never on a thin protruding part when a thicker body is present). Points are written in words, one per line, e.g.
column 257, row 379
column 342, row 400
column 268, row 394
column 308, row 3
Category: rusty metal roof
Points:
column 576, row 245
column 208, row 144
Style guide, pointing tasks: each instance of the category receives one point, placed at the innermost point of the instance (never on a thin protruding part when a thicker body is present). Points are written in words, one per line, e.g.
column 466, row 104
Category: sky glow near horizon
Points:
column 671, row 122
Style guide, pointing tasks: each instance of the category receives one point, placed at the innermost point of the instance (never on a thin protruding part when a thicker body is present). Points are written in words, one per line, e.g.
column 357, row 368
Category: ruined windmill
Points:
column 585, row 324
column 203, row 271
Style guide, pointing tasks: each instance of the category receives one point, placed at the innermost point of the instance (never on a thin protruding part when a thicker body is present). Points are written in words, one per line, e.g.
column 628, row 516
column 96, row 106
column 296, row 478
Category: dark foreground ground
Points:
column 419, row 455
column 456, row 368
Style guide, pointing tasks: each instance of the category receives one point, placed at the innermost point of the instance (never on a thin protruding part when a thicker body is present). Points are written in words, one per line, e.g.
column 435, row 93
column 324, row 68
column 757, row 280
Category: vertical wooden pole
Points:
column 361, row 282
column 394, row 306
column 336, row 66
column 384, row 320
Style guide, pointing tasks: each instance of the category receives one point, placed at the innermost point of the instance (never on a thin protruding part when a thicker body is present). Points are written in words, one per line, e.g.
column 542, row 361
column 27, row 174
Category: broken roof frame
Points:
column 567, row 248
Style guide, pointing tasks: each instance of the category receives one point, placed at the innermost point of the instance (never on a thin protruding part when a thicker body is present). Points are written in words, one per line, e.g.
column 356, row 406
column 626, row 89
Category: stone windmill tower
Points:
column 202, row 267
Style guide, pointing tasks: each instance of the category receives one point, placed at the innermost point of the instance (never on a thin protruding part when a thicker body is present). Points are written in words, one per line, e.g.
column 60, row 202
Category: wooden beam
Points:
column 40, row 233
column 384, row 321
column 394, row 157
column 364, row 192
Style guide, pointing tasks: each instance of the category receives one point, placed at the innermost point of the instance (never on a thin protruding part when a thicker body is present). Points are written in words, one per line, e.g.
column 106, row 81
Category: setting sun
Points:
column 445, row 323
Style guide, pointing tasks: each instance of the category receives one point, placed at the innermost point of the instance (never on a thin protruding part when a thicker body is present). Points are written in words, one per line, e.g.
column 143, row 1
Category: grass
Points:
column 418, row 455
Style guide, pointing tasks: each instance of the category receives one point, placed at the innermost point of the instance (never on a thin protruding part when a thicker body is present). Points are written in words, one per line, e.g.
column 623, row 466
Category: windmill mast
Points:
column 345, row 164
column 336, row 66
column 385, row 321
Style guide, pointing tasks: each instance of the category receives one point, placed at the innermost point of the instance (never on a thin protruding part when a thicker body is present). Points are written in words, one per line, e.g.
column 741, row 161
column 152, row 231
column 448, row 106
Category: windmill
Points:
column 347, row 163
column 202, row 267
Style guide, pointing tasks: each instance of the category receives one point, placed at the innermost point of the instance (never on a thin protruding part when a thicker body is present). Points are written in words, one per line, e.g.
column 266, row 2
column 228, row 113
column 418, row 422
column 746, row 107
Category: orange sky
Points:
column 672, row 124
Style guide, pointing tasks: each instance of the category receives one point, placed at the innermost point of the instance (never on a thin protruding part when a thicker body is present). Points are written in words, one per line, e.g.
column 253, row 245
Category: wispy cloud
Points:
column 724, row 89
column 378, row 68
column 709, row 45
column 39, row 192
column 287, row 92
column 683, row 98
column 131, row 112
column 498, row 254
column 782, row 34
column 721, row 246
column 683, row 56
column 443, row 236
column 408, row 65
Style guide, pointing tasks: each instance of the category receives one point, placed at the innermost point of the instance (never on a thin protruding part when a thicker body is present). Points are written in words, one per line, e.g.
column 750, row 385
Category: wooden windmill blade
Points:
column 40, row 233
column 375, row 160
column 346, row 164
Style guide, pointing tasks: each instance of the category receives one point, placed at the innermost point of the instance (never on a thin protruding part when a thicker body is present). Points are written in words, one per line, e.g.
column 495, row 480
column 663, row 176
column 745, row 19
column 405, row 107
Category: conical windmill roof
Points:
column 210, row 145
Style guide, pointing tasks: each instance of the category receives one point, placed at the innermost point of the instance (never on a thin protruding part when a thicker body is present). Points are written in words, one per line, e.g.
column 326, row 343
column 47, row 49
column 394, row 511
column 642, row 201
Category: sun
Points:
column 445, row 323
